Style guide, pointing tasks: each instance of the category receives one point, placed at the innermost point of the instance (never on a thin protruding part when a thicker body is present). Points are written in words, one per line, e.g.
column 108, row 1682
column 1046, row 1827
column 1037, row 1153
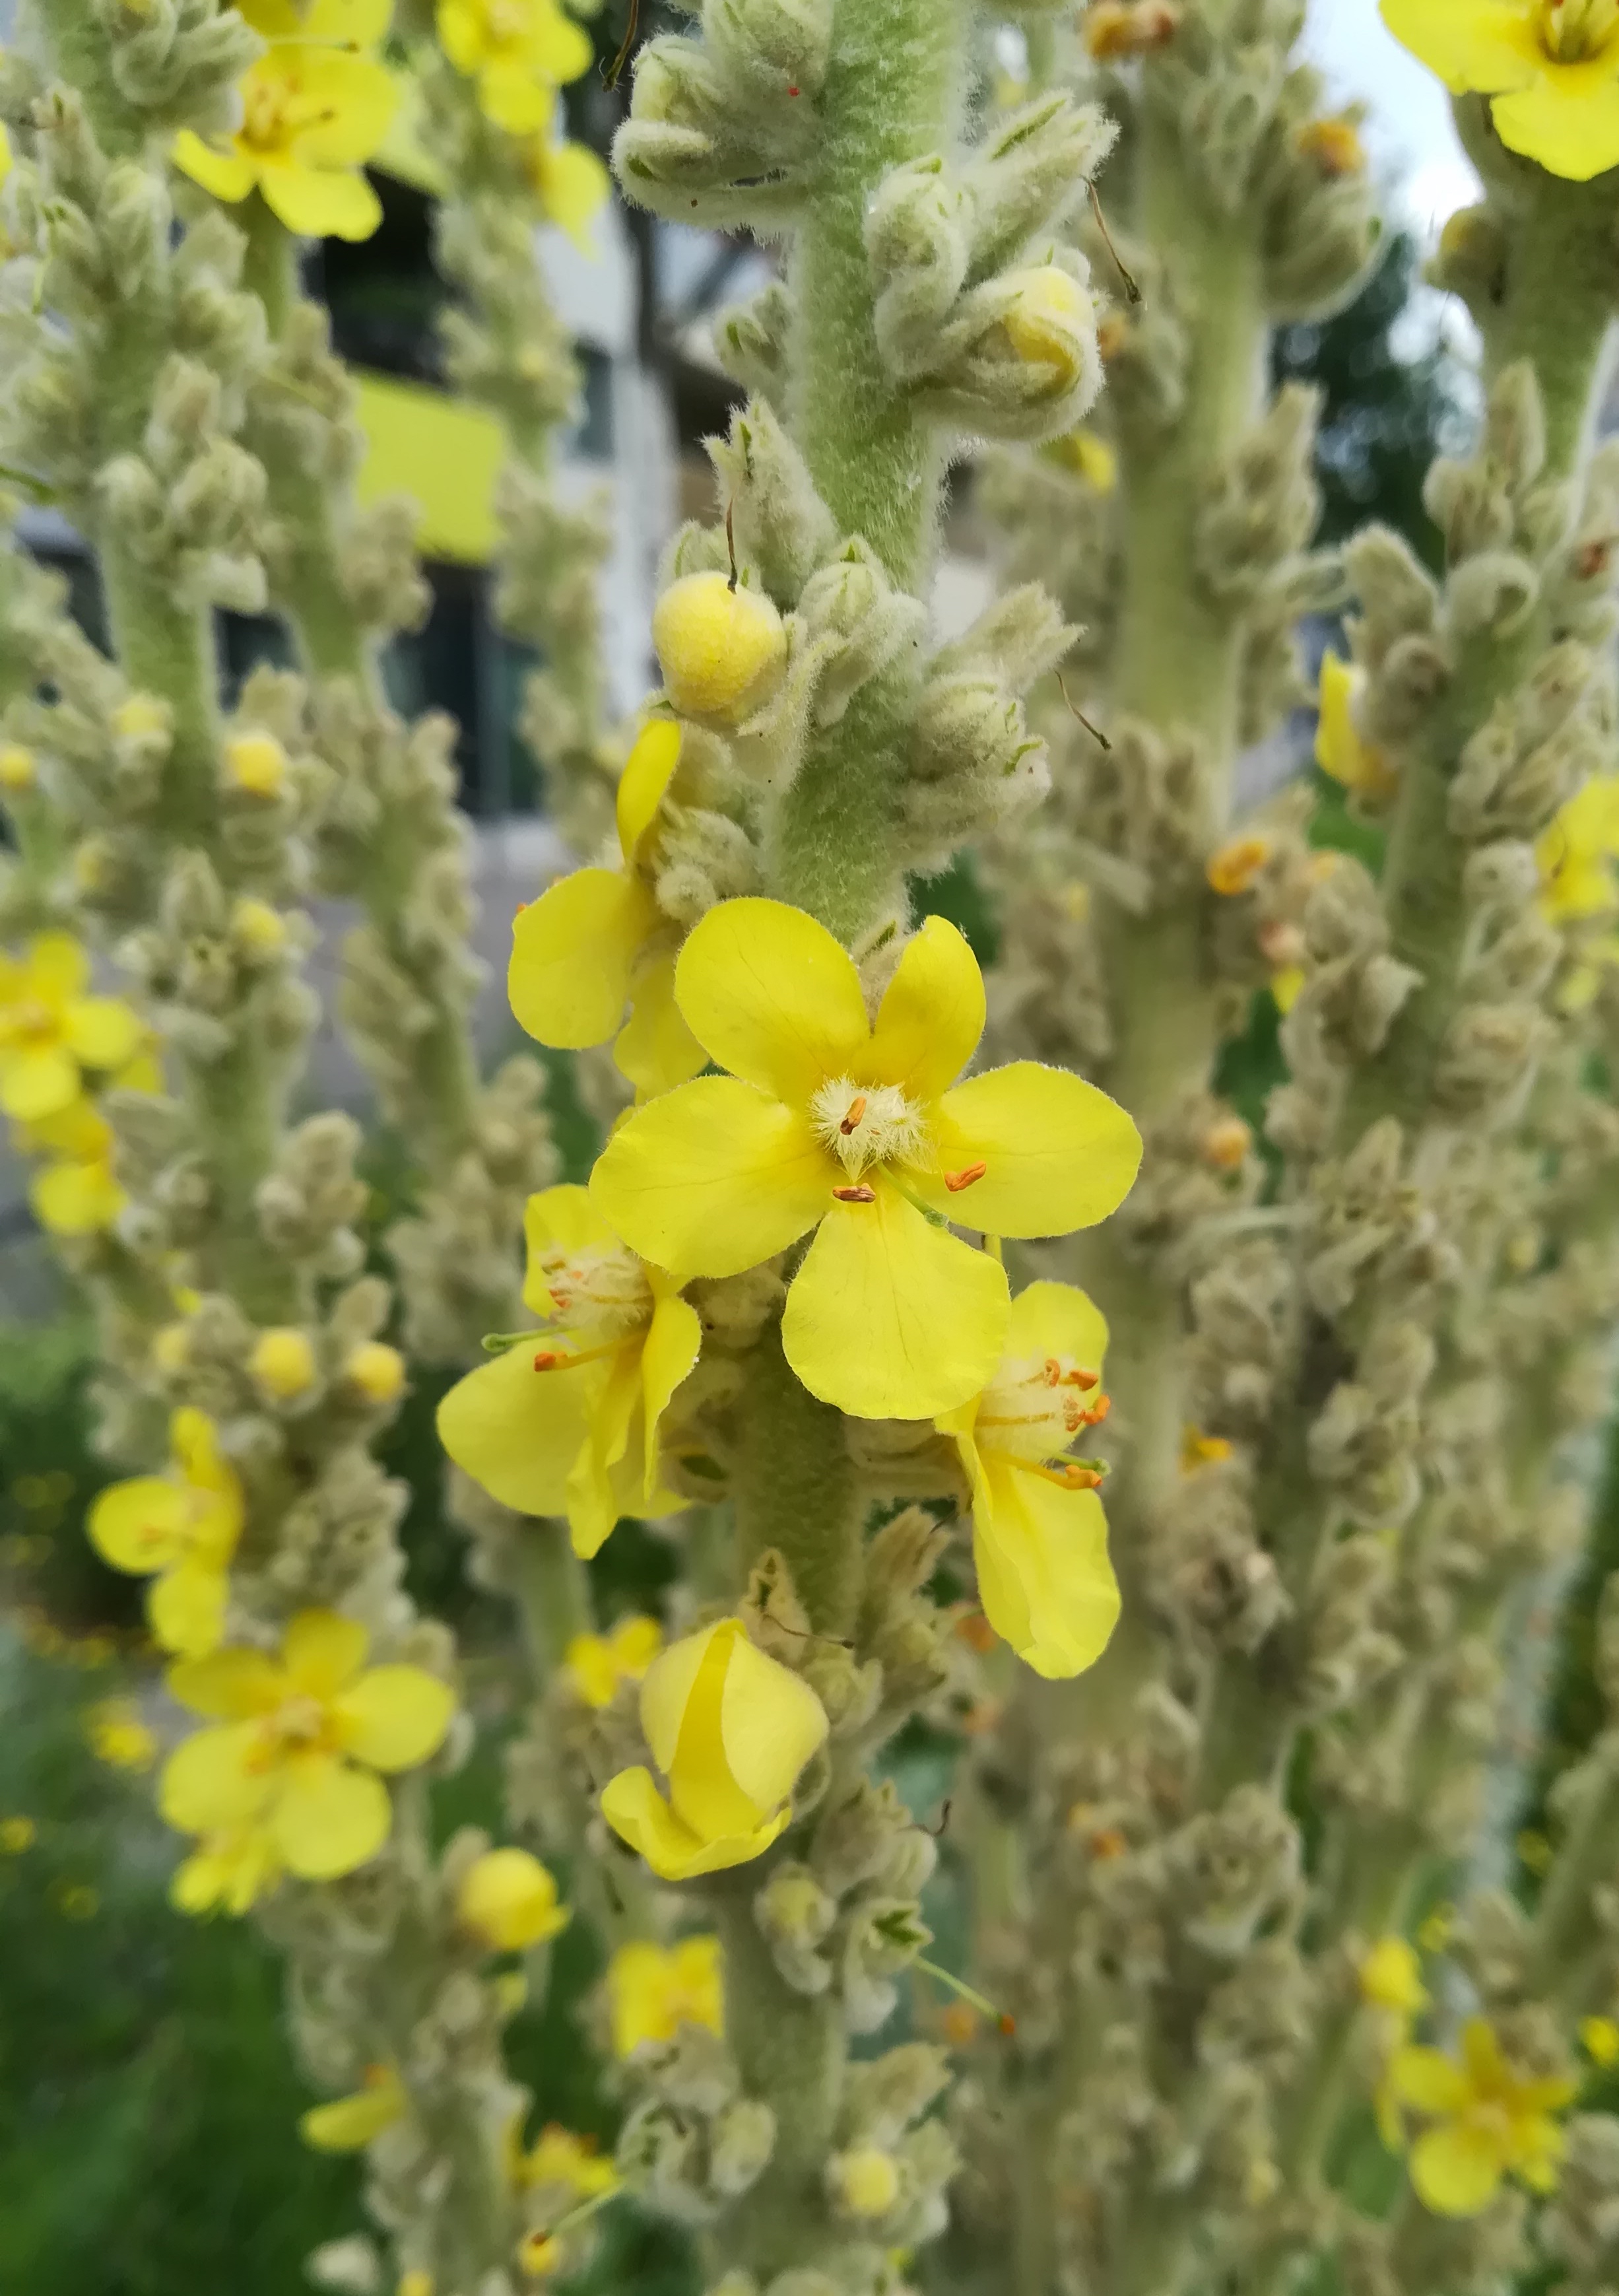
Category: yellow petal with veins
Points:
column 772, row 997
column 931, row 1016
column 1060, row 1154
column 573, row 955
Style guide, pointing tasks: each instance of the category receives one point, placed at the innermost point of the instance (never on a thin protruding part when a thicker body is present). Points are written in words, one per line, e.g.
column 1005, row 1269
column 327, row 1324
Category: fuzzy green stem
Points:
column 893, row 94
column 794, row 1490
column 553, row 1597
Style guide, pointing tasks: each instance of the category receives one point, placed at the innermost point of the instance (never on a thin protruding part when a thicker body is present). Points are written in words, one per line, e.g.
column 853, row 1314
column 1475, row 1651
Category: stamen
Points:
column 1055, row 1376
column 857, row 1109
column 956, row 1181
column 859, row 1195
column 559, row 1360
column 1071, row 1476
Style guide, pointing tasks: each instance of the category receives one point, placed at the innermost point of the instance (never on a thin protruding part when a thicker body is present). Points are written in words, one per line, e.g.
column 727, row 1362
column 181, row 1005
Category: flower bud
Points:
column 864, row 2182
column 508, row 1900
column 377, row 1370
column 284, row 1363
column 1050, row 317
column 720, row 649
column 259, row 929
column 18, row 769
column 256, row 763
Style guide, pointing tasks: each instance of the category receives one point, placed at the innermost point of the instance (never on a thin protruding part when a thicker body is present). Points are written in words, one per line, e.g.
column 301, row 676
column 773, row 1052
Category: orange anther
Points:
column 1108, row 1841
column 1006, row 2023
column 548, row 1359
column 976, row 1631
column 1098, row 1411
column 958, row 2024
column 857, row 1109
column 1055, row 1376
column 859, row 1195
column 956, row 1181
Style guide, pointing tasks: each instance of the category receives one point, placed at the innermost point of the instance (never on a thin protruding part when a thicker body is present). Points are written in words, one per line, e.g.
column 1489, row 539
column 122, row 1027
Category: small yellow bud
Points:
column 508, row 1900
column 865, row 2180
column 92, row 864
column 538, row 2255
column 1335, row 145
column 256, row 763
column 1091, row 457
column 415, row 2283
column 171, row 1349
column 260, row 930
column 1226, row 1143
column 1391, row 1979
column 16, row 1835
column 1234, row 866
column 139, row 717
column 1200, row 1450
column 1599, row 2038
column 720, row 648
column 377, row 1371
column 18, row 770
column 1114, row 32
column 284, row 1363
column 1047, row 316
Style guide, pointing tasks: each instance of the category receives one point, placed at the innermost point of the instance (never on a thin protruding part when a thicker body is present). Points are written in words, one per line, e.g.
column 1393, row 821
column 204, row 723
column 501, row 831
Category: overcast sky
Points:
column 1409, row 132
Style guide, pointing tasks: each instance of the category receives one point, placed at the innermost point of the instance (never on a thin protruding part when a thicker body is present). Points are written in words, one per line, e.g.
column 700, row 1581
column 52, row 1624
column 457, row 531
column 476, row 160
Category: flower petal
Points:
column 772, row 997
column 1567, row 119
column 76, row 1199
column 674, row 1342
column 323, row 1651
column 1057, row 1319
column 573, row 186
column 329, row 1817
column 209, row 1782
column 655, row 1048
column 516, row 1431
column 573, row 951
column 1455, row 2169
column 187, row 1607
column 931, row 1017
column 101, row 1032
column 667, row 1691
column 342, row 106
column 39, row 1083
column 320, row 203
column 639, row 1814
column 513, row 98
column 56, row 967
column 648, row 771
column 1044, row 1578
column 1061, row 1154
column 1484, row 45
column 770, row 1723
column 712, row 1178
column 592, row 1493
column 349, row 2123
column 394, row 1716
column 230, row 1686
column 559, row 1219
column 1428, row 2079
column 229, row 176
column 138, row 1525
column 890, row 1317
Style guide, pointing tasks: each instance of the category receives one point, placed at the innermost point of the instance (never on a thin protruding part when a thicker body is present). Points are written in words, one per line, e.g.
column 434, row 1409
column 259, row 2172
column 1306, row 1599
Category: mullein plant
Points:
column 865, row 1260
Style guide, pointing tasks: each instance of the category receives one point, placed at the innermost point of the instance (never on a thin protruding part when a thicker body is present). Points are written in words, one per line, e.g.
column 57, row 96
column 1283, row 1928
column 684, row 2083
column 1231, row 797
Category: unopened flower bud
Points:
column 1049, row 317
column 260, row 930
column 1226, row 1143
column 720, row 648
column 865, row 2181
column 1335, row 145
column 1234, row 865
column 171, row 1348
column 141, row 717
column 18, row 769
column 283, row 1362
column 508, row 1900
column 377, row 1370
column 257, row 764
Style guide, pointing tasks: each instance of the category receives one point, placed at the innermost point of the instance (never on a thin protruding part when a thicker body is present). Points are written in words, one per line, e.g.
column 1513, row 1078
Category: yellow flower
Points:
column 559, row 2157
column 1488, row 2121
column 377, row 1370
column 1200, row 1450
column 1340, row 750
column 1599, row 2039
column 312, row 112
column 230, row 1868
column 297, row 1743
column 596, row 942
column 824, row 1123
column 731, row 1731
column 520, row 52
column 119, row 1737
column 183, row 1526
column 1087, row 454
column 652, row 1990
column 349, row 2123
column 256, row 763
column 720, row 646
column 570, row 183
column 596, row 1664
column 1392, row 1988
column 508, row 1899
column 567, row 1422
column 1552, row 67
column 1575, row 853
column 50, row 1031
column 77, row 1191
column 1040, row 1538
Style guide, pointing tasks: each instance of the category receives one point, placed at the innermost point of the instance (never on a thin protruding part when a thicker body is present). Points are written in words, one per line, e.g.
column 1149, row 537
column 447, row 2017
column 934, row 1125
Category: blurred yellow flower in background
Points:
column 520, row 52
column 596, row 1664
column 652, row 1990
column 52, row 1031
column 1487, row 2120
column 1552, row 66
column 182, row 1527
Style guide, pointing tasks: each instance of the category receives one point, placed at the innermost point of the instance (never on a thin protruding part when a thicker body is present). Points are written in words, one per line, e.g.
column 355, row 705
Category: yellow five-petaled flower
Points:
column 859, row 1133
column 1040, row 1538
column 520, row 52
column 566, row 1423
column 1488, row 2120
column 181, row 1529
column 652, row 1990
column 297, row 1742
column 52, row 1031
column 596, row 942
column 732, row 1730
column 1551, row 66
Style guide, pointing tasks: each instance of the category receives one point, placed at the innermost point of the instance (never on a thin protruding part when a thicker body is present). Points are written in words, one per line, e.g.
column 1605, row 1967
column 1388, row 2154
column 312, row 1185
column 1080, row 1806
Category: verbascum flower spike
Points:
column 181, row 1529
column 1040, row 1538
column 1550, row 67
column 1341, row 750
column 313, row 109
column 1488, row 2121
column 732, row 1730
column 76, row 1193
column 508, row 1900
column 52, row 1032
column 567, row 1422
column 597, row 941
column 860, row 1133
column 520, row 52
column 349, row 2123
column 297, row 1743
column 1577, row 852
column 652, row 1990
